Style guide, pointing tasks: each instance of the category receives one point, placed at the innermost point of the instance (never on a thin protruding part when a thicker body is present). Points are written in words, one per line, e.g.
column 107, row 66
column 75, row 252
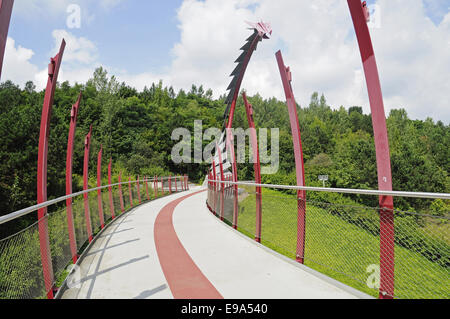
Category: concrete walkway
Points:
column 174, row 247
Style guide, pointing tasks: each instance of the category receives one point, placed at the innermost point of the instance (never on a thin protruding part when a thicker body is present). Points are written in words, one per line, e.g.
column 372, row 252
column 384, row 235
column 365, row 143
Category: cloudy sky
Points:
column 191, row 41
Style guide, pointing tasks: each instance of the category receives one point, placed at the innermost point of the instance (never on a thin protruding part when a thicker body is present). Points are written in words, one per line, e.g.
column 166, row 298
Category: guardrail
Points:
column 21, row 265
column 342, row 238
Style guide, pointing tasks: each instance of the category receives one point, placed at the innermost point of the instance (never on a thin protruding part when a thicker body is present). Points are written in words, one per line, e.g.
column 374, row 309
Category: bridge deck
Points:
column 174, row 248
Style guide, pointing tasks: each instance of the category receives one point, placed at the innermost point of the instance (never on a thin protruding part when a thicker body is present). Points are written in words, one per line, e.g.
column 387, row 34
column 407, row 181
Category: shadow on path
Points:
column 148, row 293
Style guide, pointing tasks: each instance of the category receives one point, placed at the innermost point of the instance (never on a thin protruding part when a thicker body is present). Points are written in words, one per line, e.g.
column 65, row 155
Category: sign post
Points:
column 323, row 178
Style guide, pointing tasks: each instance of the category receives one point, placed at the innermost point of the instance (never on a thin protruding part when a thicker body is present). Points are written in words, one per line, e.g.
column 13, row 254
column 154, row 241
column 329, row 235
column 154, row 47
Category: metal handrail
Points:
column 343, row 190
column 23, row 212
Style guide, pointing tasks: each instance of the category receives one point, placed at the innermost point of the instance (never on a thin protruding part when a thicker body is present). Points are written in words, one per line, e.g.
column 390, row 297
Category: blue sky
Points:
column 130, row 35
column 196, row 41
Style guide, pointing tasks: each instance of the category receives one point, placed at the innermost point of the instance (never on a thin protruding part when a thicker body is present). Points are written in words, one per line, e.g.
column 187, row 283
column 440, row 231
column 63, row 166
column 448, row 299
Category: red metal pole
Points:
column 286, row 78
column 53, row 70
column 156, row 186
column 129, row 191
column 214, row 186
column 111, row 201
column 69, row 161
column 176, row 185
column 146, row 187
column 170, row 184
column 6, row 7
column 256, row 165
column 99, row 184
column 138, row 191
column 221, row 186
column 359, row 13
column 87, row 213
column 122, row 205
column 230, row 148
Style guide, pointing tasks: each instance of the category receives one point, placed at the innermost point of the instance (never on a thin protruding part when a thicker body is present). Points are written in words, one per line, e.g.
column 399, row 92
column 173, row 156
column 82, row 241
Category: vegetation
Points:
column 343, row 248
column 135, row 130
column 20, row 262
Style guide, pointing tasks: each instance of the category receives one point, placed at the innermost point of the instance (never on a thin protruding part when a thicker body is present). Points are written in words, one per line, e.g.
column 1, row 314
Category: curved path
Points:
column 174, row 247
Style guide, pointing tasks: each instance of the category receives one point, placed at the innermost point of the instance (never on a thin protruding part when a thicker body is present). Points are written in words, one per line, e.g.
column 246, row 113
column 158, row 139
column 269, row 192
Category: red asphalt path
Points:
column 185, row 279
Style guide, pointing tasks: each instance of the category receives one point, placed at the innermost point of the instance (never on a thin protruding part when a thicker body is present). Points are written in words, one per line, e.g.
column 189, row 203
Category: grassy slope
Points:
column 339, row 249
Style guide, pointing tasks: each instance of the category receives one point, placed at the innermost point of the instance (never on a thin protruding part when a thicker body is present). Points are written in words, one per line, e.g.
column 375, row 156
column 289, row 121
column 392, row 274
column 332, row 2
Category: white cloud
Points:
column 80, row 57
column 16, row 64
column 78, row 50
column 79, row 61
column 319, row 44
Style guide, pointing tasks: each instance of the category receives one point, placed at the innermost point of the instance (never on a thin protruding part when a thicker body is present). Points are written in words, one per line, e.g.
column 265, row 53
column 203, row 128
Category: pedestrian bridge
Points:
column 159, row 238
column 174, row 247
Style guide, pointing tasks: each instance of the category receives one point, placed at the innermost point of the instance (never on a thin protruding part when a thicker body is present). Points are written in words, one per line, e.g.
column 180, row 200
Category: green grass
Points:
column 340, row 249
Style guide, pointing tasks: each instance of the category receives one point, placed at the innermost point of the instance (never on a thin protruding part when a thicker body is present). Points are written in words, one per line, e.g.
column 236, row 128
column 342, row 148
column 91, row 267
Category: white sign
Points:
column 323, row 178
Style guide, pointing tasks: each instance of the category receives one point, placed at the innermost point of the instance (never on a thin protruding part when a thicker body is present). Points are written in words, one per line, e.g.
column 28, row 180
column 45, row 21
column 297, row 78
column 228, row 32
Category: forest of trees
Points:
column 135, row 131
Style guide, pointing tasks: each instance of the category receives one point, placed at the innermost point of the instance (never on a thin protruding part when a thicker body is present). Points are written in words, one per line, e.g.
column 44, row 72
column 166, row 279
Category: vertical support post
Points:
column 139, row 190
column 256, row 165
column 286, row 78
column 360, row 14
column 210, row 191
column 111, row 201
column 122, row 206
column 99, row 184
column 156, row 186
column 87, row 213
column 170, row 184
column 146, row 187
column 176, row 185
column 69, row 162
column 6, row 7
column 53, row 70
column 208, row 198
column 230, row 148
column 129, row 191
column 214, row 187
column 221, row 186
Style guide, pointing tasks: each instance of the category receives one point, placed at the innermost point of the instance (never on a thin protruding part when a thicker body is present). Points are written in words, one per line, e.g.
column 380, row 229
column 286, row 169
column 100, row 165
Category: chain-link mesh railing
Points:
column 343, row 241
column 21, row 274
column 21, row 271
